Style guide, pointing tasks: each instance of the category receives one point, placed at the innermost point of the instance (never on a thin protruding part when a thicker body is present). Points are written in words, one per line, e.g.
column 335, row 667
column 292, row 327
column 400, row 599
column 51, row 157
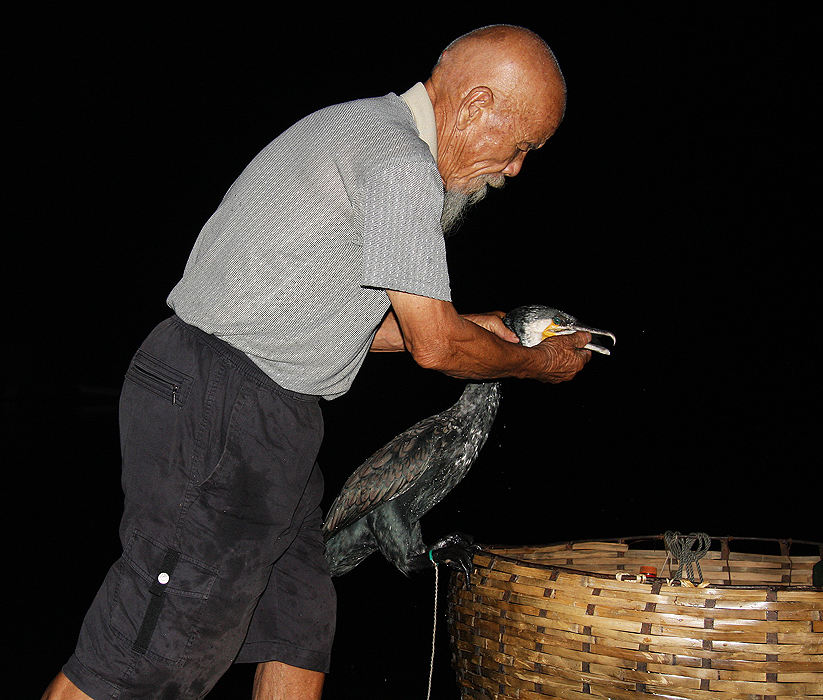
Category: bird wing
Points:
column 387, row 474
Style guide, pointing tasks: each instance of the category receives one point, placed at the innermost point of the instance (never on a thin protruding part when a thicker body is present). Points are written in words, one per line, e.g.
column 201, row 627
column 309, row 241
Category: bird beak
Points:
column 558, row 329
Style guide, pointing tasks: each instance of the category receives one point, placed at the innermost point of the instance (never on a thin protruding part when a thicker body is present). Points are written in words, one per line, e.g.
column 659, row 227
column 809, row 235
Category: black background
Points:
column 675, row 206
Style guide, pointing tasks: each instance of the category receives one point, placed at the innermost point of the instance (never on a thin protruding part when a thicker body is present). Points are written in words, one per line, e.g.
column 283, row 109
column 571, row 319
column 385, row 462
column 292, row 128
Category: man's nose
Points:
column 515, row 164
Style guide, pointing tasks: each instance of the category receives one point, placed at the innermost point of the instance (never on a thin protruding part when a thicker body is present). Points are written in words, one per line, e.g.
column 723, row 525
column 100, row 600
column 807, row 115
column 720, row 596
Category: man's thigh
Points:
column 215, row 464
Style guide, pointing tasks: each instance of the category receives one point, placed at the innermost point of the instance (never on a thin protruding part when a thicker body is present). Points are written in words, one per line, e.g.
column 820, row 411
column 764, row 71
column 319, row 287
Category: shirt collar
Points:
column 417, row 98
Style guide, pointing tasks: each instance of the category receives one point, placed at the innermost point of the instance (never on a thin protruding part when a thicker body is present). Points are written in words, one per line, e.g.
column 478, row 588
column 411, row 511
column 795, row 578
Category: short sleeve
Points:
column 403, row 243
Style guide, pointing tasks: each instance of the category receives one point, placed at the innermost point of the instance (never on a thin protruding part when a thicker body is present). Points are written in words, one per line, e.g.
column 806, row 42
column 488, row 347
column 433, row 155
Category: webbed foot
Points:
column 455, row 551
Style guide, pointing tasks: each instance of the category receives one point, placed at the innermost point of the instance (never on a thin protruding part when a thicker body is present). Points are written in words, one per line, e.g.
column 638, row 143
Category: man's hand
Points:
column 493, row 322
column 565, row 356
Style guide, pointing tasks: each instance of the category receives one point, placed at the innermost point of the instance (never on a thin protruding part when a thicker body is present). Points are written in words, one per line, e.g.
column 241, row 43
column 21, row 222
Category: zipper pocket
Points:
column 159, row 378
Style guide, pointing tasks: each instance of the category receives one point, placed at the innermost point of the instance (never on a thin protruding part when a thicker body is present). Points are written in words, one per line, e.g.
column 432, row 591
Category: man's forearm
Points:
column 438, row 338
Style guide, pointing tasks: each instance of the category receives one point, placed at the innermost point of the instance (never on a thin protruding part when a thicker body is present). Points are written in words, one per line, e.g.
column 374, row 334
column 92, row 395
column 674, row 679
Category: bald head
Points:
column 510, row 60
column 497, row 93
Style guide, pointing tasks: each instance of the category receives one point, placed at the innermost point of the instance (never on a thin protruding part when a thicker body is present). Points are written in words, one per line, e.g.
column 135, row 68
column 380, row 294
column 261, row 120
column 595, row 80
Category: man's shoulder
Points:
column 388, row 113
column 381, row 128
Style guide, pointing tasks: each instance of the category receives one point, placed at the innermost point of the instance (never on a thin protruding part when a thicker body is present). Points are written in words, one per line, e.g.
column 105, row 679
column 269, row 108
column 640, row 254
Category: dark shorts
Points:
column 223, row 554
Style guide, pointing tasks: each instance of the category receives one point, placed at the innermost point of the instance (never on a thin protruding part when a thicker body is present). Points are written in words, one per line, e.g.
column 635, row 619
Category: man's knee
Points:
column 278, row 681
column 61, row 688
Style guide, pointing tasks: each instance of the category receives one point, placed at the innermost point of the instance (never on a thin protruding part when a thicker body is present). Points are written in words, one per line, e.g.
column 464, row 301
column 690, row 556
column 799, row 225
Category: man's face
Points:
column 486, row 157
column 486, row 160
column 495, row 146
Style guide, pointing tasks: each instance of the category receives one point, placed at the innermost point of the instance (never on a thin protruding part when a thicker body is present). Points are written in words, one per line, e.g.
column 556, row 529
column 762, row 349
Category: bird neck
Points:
column 479, row 399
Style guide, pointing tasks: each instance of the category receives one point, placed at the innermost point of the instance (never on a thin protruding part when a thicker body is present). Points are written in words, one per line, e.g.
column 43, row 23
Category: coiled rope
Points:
column 682, row 548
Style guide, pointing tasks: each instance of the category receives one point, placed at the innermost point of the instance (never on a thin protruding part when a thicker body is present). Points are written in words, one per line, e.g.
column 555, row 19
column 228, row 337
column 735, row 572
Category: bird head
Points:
column 535, row 323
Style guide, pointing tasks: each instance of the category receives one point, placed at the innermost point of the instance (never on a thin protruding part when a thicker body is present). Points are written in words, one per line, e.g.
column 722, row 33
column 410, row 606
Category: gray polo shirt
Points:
column 293, row 266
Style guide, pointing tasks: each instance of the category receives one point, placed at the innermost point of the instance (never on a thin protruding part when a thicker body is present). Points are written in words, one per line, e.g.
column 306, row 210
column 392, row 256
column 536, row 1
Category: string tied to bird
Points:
column 688, row 550
column 434, row 626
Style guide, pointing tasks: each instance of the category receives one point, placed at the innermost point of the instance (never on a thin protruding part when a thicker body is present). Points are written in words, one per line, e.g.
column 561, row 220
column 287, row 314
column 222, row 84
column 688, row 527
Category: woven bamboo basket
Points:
column 575, row 620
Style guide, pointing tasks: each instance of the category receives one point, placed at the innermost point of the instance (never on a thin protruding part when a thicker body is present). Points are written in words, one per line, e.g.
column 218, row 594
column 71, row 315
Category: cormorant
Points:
column 381, row 503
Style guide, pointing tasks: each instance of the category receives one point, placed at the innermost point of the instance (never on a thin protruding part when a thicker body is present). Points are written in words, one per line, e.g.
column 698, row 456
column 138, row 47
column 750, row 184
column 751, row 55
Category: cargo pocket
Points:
column 158, row 377
column 159, row 599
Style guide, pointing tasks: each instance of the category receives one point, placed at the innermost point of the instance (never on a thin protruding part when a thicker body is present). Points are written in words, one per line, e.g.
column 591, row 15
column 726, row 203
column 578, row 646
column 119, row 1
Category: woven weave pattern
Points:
column 556, row 622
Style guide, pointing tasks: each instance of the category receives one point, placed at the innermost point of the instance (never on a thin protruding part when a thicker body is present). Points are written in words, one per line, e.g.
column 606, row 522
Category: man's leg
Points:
column 207, row 514
column 273, row 681
column 61, row 688
column 277, row 681
column 290, row 636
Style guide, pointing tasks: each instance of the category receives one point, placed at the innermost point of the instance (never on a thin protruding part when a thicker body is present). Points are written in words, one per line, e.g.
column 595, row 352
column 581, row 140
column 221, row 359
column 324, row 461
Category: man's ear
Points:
column 472, row 106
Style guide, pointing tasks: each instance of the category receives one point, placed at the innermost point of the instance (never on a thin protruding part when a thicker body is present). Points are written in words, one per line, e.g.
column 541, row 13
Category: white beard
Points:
column 457, row 202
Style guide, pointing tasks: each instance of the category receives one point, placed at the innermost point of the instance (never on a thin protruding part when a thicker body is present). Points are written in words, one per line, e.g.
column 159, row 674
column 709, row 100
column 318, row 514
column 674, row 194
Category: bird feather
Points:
column 388, row 473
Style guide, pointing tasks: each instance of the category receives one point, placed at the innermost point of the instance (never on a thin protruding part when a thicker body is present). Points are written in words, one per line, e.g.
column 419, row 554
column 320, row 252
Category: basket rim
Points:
column 652, row 579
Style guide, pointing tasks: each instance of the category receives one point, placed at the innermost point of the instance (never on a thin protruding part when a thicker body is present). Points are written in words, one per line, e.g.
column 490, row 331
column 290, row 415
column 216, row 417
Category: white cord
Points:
column 434, row 631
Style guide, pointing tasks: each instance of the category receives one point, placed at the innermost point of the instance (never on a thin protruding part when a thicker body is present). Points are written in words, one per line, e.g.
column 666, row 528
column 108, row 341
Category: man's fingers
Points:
column 492, row 322
column 568, row 356
column 582, row 339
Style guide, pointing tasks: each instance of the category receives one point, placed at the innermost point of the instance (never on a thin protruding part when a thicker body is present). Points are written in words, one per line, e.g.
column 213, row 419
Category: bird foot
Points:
column 455, row 551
